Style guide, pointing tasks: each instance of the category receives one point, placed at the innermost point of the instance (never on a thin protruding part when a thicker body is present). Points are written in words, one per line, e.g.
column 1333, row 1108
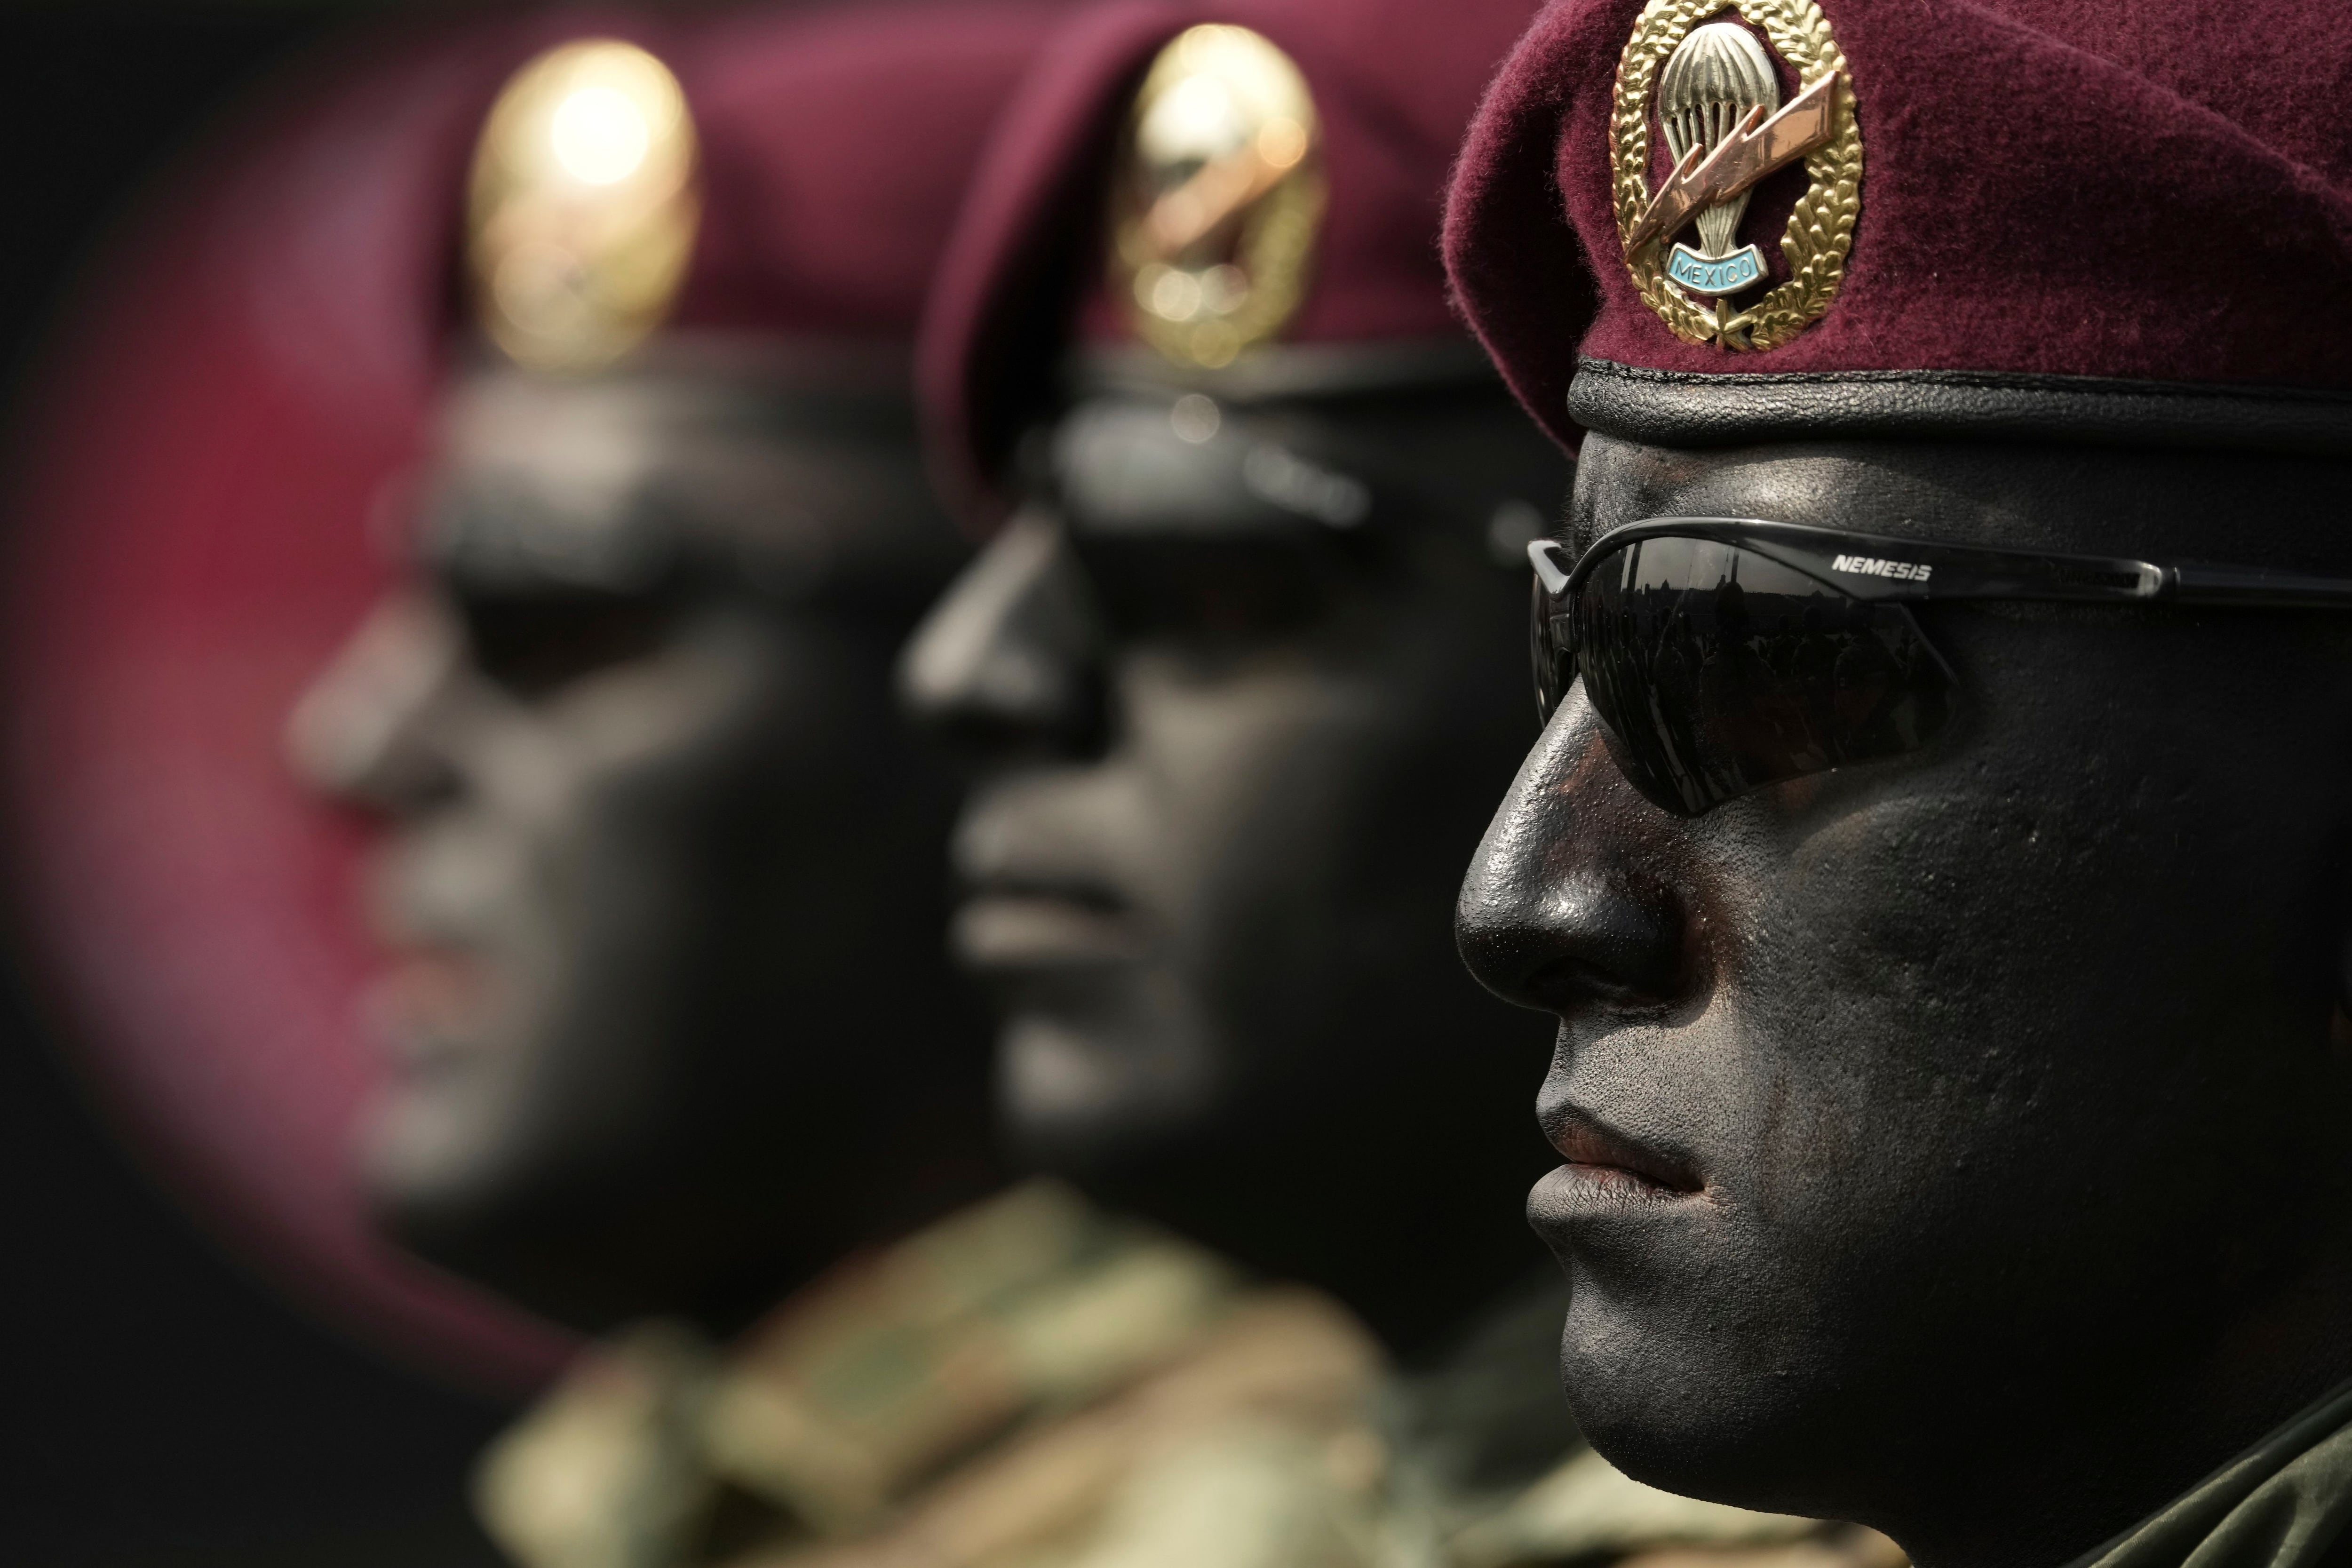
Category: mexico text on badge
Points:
column 1715, row 275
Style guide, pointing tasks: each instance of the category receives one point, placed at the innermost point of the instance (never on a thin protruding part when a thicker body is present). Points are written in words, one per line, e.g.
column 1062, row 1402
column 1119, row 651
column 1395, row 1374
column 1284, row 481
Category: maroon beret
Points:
column 254, row 361
column 836, row 150
column 835, row 147
column 2055, row 219
column 1395, row 82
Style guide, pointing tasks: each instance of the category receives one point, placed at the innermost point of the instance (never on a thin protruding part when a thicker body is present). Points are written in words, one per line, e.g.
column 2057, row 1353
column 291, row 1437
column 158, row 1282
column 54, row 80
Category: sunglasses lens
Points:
column 1717, row 670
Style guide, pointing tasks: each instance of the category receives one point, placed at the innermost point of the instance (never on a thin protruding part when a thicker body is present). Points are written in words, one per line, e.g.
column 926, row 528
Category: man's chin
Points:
column 464, row 1210
column 1099, row 1105
column 441, row 1174
column 424, row 1181
column 1694, row 1425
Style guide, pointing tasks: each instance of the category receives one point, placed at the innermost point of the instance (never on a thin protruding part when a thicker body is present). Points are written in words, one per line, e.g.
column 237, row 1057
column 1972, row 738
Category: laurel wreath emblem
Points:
column 1821, row 227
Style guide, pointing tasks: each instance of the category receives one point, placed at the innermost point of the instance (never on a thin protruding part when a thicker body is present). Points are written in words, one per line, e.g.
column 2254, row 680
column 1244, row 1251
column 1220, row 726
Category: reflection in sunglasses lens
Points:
column 1716, row 670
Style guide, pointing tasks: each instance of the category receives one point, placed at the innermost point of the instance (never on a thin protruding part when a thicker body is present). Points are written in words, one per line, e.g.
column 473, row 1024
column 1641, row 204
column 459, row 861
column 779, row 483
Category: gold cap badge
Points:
column 1716, row 92
column 1218, row 197
column 583, row 205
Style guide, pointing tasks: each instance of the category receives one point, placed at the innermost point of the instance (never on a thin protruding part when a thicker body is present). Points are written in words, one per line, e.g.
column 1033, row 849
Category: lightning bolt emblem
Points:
column 1757, row 148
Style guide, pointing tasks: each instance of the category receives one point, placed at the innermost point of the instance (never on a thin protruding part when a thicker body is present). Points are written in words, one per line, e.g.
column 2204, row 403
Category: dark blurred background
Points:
column 159, row 1407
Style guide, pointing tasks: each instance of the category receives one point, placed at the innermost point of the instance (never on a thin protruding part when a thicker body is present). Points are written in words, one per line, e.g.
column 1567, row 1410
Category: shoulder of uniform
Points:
column 1587, row 1509
column 862, row 1387
column 611, row 1452
column 1249, row 1443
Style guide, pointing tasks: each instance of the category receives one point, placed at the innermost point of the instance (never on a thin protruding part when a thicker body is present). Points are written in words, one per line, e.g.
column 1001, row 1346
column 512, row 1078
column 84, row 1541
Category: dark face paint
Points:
column 1956, row 1141
column 668, row 1027
column 1231, row 752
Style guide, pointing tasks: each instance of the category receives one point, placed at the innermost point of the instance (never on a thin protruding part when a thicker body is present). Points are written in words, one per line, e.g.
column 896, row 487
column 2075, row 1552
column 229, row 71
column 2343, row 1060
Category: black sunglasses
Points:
column 1723, row 654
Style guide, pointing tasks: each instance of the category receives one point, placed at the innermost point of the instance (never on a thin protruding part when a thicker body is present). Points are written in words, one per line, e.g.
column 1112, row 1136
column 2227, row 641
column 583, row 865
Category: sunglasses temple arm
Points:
column 2223, row 585
column 1977, row 574
column 1927, row 571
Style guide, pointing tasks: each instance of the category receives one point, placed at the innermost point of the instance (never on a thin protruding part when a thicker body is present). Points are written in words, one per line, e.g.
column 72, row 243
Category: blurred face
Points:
column 661, row 883
column 1951, row 1122
column 1228, row 748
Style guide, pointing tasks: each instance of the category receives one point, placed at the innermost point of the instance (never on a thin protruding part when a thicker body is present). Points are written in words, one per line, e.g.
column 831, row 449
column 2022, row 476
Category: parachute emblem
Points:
column 1715, row 90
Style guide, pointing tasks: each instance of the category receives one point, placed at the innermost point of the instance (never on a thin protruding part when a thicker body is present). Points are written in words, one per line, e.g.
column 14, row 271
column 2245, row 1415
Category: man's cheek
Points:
column 1919, row 913
column 1879, row 1032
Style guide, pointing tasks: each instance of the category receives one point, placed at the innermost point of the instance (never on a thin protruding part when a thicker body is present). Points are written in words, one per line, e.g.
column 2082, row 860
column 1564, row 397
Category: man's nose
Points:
column 1567, row 904
column 1009, row 660
column 364, row 729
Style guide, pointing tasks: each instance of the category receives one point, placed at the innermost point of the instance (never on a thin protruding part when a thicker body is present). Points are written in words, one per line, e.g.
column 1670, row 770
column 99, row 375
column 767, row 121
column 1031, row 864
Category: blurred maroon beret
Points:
column 1395, row 82
column 836, row 150
column 2053, row 219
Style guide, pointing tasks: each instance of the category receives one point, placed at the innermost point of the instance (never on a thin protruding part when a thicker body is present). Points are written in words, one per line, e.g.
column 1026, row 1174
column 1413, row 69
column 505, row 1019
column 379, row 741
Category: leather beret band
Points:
column 1286, row 372
column 1678, row 408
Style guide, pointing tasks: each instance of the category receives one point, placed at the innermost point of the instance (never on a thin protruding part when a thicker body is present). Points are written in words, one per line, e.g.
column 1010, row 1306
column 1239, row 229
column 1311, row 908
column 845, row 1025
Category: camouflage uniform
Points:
column 1033, row 1384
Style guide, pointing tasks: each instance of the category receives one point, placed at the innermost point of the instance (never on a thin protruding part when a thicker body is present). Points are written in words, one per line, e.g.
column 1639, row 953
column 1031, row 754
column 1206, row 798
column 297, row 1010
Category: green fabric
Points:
column 2285, row 1503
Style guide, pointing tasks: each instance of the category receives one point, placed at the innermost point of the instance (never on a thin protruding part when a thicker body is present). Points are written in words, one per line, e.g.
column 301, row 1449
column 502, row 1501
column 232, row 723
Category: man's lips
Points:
column 424, row 1005
column 1595, row 1151
column 1012, row 927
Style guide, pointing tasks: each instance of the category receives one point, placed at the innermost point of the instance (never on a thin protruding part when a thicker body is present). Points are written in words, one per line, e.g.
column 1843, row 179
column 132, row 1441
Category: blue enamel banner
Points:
column 1715, row 273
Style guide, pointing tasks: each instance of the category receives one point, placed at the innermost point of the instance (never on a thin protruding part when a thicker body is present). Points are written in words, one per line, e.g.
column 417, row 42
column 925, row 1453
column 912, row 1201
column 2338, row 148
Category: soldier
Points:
column 624, row 725
column 1934, row 858
column 672, row 1029
column 1233, row 671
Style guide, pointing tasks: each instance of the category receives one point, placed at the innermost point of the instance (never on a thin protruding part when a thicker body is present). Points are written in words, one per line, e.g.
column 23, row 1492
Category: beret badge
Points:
column 583, row 207
column 1218, row 196
column 1714, row 90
